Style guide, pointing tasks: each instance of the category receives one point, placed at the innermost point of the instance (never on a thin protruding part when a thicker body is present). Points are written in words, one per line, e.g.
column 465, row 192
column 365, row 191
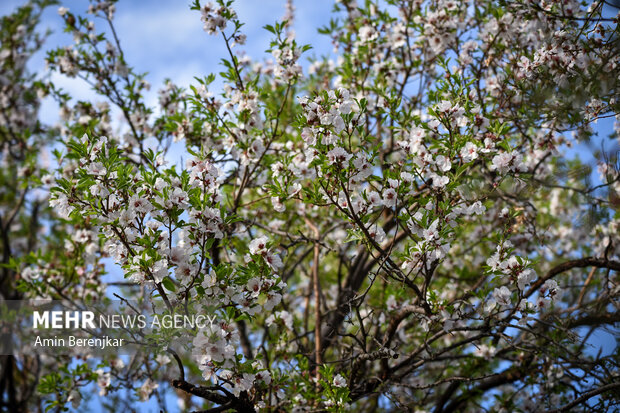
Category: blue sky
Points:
column 165, row 38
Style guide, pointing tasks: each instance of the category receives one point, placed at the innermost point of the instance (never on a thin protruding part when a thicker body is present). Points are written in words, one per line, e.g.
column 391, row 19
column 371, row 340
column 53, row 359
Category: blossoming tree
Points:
column 403, row 229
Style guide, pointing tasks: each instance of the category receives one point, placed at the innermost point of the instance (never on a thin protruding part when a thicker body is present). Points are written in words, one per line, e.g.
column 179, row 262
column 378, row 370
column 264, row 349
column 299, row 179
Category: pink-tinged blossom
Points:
column 258, row 245
column 254, row 287
column 103, row 381
column 525, row 277
column 376, row 233
column 338, row 124
column 212, row 18
column 391, row 303
column 507, row 266
column 126, row 217
column 505, row 162
column 160, row 270
column 208, row 369
column 97, row 168
column 273, row 260
column 494, row 262
column 160, row 184
column 367, row 34
column 502, row 295
column 75, row 398
column 257, row 147
column 210, row 280
column 179, row 198
column 375, row 199
column 185, row 271
column 346, row 107
column 413, row 145
column 444, row 106
column 203, row 174
column 431, row 233
column 476, row 208
column 264, row 376
column 389, row 197
column 308, row 135
column 407, row 177
column 303, row 170
column 145, row 391
column 338, row 156
column 524, row 68
column 501, row 162
column 400, row 33
column 550, row 288
column 364, row 168
column 469, row 152
column 214, row 343
column 339, row 381
column 278, row 206
column 273, row 299
column 242, row 383
column 81, row 236
column 30, row 274
column 326, row 118
column 277, row 168
column 439, row 181
column 140, row 204
column 443, row 163
column 285, row 316
column 61, row 206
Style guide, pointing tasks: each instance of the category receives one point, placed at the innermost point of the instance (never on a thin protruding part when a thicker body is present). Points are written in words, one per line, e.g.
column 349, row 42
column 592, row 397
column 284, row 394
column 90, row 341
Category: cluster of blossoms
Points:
column 258, row 246
column 287, row 68
column 508, row 161
column 440, row 26
column 215, row 354
column 283, row 316
column 324, row 116
column 373, row 241
column 518, row 271
column 433, row 244
column 140, row 214
column 215, row 18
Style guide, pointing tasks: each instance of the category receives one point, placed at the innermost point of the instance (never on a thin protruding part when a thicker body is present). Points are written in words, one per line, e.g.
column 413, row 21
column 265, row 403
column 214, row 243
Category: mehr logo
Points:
column 63, row 319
